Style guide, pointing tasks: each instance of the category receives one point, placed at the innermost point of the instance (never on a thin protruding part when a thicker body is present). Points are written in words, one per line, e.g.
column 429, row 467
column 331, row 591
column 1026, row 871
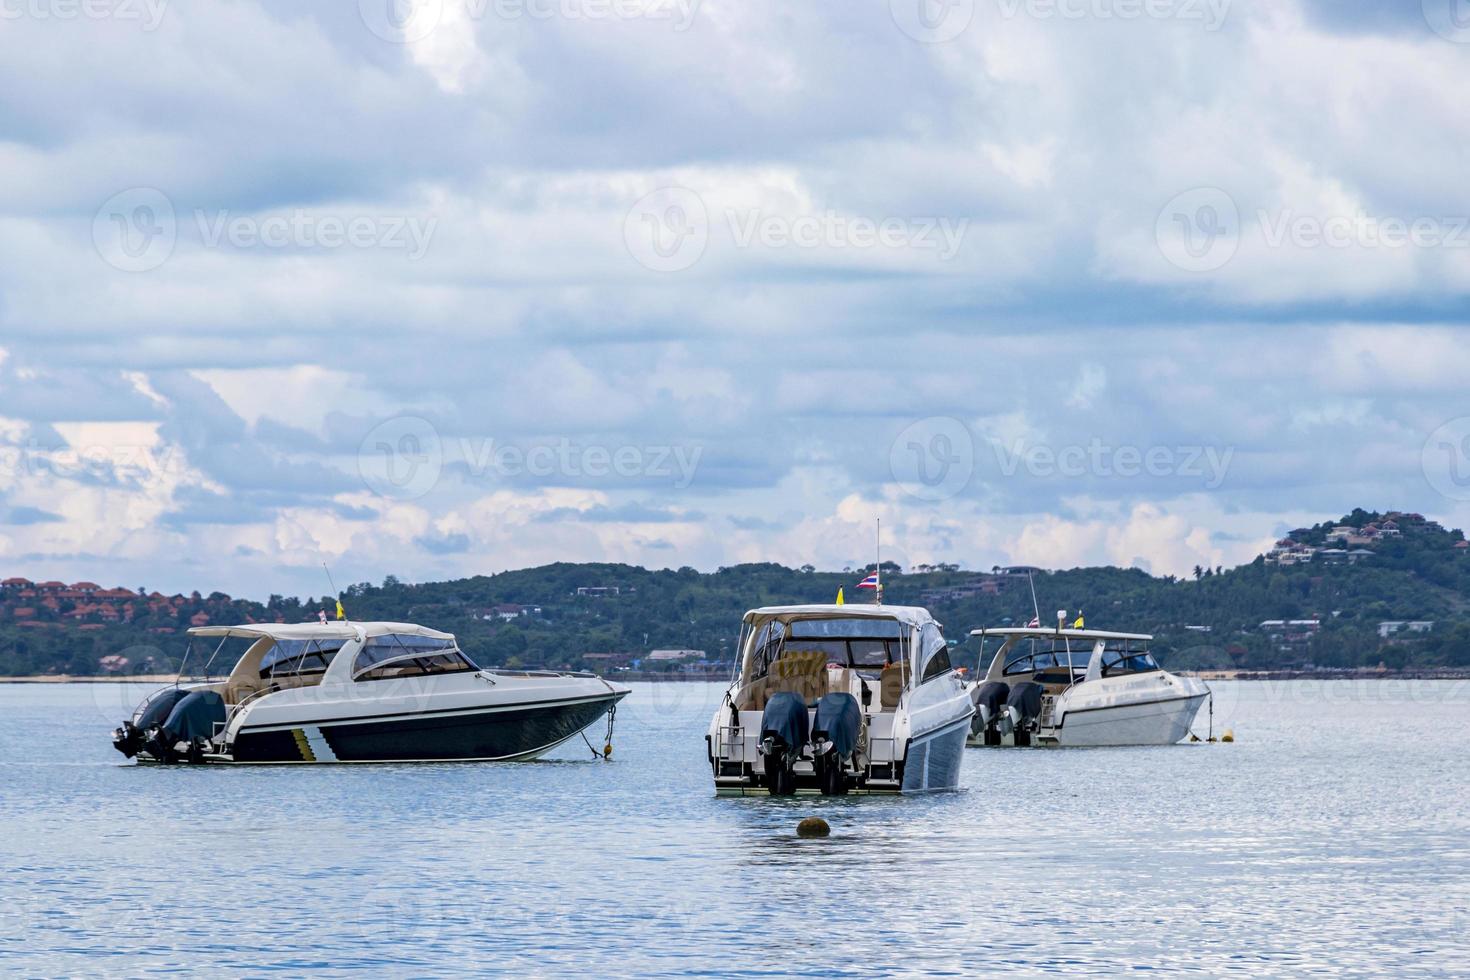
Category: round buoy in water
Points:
column 813, row 827
column 607, row 751
column 1229, row 736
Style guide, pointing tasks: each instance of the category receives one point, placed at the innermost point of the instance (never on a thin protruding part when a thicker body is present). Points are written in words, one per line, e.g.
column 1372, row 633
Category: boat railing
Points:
column 730, row 743
column 892, row 763
column 531, row 672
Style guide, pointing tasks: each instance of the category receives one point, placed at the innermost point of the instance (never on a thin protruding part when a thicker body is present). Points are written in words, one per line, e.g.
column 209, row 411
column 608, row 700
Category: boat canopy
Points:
column 914, row 635
column 1048, row 633
column 913, row 616
column 338, row 630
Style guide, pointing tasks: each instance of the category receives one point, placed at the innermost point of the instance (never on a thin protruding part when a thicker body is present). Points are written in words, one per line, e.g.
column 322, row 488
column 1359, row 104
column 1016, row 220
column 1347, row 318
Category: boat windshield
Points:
column 292, row 658
column 1031, row 661
column 1117, row 662
column 406, row 655
column 860, row 643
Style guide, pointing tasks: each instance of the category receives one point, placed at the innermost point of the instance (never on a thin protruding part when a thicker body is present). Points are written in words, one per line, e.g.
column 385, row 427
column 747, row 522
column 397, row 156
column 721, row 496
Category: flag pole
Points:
column 878, row 553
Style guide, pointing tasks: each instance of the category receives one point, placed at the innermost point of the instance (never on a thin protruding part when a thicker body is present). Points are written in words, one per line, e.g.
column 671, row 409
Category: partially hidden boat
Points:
column 359, row 692
column 838, row 699
column 1061, row 687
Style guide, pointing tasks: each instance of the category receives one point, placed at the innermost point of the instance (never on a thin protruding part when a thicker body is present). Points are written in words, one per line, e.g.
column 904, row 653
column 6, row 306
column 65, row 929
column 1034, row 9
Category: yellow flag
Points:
column 839, row 595
column 1076, row 626
column 342, row 613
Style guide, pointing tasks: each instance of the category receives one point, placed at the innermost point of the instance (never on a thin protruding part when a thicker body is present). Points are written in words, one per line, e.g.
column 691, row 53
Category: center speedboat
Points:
column 837, row 699
column 360, row 692
column 1079, row 687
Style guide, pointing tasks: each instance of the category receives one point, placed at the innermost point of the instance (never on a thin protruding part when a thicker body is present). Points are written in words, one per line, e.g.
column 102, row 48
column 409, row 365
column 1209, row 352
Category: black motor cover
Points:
column 786, row 719
column 158, row 710
column 991, row 694
column 194, row 717
column 839, row 718
column 1026, row 697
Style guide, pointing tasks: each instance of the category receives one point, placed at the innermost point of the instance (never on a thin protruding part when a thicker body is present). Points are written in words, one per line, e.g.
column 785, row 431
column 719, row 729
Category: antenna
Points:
column 335, row 594
column 1034, row 607
column 878, row 553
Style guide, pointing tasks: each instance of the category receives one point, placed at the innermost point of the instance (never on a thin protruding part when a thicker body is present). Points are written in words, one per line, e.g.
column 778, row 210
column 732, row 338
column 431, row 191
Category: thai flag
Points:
column 871, row 582
column 1035, row 622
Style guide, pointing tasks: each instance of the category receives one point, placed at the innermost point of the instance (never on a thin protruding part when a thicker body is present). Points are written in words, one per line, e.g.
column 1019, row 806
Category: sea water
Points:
column 1333, row 835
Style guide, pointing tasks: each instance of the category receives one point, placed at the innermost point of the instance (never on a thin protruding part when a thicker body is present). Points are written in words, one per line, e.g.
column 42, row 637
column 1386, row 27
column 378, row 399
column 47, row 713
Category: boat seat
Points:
column 802, row 672
column 891, row 685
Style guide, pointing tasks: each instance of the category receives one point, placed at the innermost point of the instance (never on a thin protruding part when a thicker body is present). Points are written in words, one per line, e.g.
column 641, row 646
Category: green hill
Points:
column 1315, row 600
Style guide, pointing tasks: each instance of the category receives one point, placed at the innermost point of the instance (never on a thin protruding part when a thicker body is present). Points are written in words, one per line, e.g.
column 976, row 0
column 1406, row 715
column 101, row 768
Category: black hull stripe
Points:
column 325, row 723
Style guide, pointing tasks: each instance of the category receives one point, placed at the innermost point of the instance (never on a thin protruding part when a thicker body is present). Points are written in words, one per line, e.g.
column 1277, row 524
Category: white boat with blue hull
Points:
column 838, row 699
column 1077, row 687
column 360, row 692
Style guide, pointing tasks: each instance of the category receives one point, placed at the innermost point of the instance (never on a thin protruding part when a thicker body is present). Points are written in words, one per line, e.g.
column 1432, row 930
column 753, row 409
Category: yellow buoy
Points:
column 813, row 827
column 607, row 751
column 1229, row 736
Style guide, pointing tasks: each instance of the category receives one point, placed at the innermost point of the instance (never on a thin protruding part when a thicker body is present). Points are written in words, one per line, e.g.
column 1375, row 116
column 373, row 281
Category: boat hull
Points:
column 487, row 734
column 1158, row 722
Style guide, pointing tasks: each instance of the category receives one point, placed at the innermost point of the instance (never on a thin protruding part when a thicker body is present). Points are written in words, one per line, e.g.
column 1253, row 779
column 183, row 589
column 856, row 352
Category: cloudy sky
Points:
column 442, row 287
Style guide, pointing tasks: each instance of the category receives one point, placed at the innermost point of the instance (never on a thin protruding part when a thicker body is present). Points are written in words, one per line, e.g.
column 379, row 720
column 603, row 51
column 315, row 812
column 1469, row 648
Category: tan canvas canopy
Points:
column 339, row 630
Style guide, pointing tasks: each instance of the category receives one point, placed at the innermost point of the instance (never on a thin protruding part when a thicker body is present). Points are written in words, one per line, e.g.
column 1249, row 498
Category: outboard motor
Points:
column 785, row 728
column 989, row 699
column 131, row 738
column 1023, row 710
column 192, row 723
column 835, row 735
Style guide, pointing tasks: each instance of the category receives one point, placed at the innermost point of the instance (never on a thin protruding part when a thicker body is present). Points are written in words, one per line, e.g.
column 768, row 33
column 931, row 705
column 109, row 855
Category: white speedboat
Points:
column 1079, row 687
column 837, row 699
column 359, row 692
